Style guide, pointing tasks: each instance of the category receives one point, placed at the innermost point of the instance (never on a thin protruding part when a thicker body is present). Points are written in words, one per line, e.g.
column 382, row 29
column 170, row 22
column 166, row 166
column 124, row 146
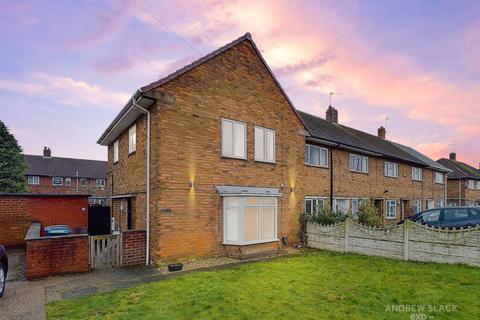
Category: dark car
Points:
column 449, row 217
column 3, row 269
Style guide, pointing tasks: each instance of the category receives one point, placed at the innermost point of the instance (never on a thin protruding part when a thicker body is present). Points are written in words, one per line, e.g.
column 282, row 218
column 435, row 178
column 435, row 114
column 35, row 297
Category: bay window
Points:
column 249, row 219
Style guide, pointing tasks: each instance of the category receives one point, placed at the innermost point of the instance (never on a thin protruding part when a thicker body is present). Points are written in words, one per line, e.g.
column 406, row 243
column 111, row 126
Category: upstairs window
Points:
column 358, row 163
column 313, row 204
column 264, row 144
column 471, row 184
column 100, row 183
column 35, row 180
column 416, row 174
column 439, row 177
column 68, row 181
column 316, row 156
column 57, row 181
column 391, row 169
column 132, row 139
column 391, row 212
column 83, row 182
column 234, row 139
column 115, row 151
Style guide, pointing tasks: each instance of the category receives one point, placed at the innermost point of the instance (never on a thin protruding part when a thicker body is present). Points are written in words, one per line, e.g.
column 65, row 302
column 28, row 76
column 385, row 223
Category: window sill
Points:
column 394, row 177
column 390, row 218
column 235, row 158
column 247, row 243
column 264, row 161
column 316, row 166
column 362, row 172
column 417, row 180
column 130, row 153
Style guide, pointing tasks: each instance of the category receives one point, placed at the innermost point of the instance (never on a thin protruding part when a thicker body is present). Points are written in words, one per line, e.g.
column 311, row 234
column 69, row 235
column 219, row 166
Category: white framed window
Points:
column 471, row 184
column 316, row 156
column 417, row 206
column 341, row 205
column 356, row 203
column 416, row 174
column 358, row 163
column 438, row 203
column 100, row 183
column 430, row 204
column 234, row 139
column 391, row 212
column 391, row 169
column 313, row 204
column 35, row 180
column 132, row 139
column 249, row 219
column 264, row 144
column 83, row 182
column 68, row 181
column 57, row 181
column 439, row 177
column 478, row 185
column 116, row 151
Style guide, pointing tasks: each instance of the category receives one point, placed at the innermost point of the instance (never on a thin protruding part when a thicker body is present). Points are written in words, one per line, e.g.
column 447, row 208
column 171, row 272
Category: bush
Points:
column 326, row 216
column 368, row 215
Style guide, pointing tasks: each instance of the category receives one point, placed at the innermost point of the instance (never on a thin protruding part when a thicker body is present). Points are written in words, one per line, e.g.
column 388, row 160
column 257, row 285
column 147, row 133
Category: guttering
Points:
column 143, row 110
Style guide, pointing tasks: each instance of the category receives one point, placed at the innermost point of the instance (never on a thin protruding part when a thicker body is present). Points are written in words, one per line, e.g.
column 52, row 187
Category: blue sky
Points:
column 67, row 67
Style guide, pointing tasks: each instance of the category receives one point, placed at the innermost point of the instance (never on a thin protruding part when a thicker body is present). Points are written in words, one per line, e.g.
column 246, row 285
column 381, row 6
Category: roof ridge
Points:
column 67, row 158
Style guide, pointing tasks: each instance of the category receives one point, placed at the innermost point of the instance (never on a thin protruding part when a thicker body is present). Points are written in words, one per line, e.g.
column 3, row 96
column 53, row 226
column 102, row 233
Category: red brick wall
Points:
column 14, row 220
column 133, row 247
column 46, row 186
column 72, row 211
column 59, row 255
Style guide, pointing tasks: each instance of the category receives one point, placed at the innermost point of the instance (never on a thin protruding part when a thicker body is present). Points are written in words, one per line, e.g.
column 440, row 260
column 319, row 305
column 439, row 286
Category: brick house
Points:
column 217, row 151
column 463, row 182
column 55, row 175
column 396, row 179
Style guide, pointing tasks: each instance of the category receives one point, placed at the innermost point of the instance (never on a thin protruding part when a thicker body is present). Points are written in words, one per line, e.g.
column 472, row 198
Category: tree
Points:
column 12, row 165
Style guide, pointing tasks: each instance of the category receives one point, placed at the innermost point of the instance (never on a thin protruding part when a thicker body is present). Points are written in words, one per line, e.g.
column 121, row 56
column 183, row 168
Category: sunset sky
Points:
column 68, row 67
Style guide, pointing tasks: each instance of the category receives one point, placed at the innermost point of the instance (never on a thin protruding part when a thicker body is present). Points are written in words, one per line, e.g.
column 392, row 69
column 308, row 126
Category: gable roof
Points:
column 353, row 139
column 107, row 137
column 65, row 167
column 460, row 170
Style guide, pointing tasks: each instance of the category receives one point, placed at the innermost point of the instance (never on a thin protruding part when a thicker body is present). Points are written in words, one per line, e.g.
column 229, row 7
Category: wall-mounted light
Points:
column 191, row 185
column 292, row 190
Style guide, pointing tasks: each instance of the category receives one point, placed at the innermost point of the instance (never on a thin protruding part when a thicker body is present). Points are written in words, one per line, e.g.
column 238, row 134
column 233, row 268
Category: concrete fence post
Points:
column 406, row 227
column 347, row 234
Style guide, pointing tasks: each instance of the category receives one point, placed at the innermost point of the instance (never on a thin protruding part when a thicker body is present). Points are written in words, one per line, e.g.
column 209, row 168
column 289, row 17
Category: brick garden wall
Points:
column 133, row 248
column 48, row 256
column 14, row 220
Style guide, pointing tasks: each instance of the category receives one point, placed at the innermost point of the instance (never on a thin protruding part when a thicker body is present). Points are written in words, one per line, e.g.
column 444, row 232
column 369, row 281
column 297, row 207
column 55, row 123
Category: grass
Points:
column 318, row 285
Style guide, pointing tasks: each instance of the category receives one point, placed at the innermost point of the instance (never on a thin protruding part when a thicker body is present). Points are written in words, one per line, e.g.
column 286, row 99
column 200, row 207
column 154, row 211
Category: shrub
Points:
column 368, row 215
column 326, row 216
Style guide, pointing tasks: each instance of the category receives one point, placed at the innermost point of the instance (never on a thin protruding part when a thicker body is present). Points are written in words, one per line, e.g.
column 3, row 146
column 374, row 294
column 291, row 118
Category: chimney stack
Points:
column 453, row 156
column 382, row 132
column 331, row 114
column 47, row 153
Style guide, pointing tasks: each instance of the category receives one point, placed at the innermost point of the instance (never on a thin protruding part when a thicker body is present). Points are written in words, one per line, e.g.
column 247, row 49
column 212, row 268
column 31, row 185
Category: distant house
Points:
column 463, row 182
column 47, row 174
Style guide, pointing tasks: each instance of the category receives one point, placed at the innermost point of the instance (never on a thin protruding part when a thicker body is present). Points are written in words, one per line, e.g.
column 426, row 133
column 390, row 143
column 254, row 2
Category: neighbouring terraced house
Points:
column 463, row 182
column 215, row 159
column 57, row 175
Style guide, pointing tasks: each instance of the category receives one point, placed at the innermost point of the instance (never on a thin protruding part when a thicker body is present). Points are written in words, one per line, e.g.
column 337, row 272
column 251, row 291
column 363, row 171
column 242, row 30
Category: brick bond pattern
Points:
column 57, row 255
column 17, row 212
column 14, row 220
column 186, row 148
column 458, row 188
column 133, row 248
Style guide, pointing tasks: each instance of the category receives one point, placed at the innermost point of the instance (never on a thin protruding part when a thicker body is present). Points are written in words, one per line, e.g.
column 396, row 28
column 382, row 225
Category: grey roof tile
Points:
column 65, row 167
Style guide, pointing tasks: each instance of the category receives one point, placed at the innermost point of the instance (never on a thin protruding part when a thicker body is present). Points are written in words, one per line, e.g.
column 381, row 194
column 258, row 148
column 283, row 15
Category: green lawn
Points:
column 319, row 285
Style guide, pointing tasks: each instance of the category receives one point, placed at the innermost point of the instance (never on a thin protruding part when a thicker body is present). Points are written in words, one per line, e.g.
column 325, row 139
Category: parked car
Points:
column 3, row 269
column 449, row 217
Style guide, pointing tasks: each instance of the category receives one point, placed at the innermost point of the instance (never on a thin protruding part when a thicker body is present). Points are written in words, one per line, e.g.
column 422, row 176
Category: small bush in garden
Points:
column 368, row 215
column 326, row 216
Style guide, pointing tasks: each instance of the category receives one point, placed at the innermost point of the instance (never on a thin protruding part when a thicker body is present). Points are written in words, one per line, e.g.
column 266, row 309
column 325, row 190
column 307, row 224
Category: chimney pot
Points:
column 382, row 132
column 331, row 114
column 453, row 156
column 47, row 153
